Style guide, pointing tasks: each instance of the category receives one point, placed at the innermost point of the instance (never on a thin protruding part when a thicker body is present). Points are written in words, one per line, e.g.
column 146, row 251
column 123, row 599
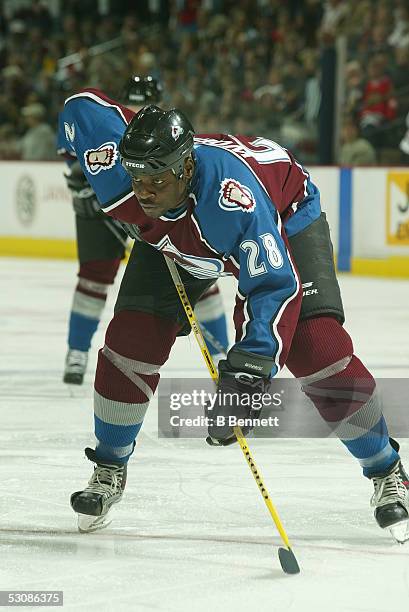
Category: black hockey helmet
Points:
column 141, row 90
column 156, row 141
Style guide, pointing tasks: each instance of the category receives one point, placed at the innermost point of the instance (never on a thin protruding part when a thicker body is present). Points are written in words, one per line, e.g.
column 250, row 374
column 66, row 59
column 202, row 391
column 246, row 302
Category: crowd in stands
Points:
column 241, row 66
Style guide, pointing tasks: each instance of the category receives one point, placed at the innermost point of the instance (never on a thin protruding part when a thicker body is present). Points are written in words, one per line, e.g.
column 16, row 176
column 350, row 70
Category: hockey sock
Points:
column 343, row 391
column 210, row 313
column 89, row 300
column 137, row 344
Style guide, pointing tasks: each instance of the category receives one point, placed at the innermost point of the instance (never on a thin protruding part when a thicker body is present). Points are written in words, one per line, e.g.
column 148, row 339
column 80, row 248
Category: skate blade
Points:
column 400, row 532
column 88, row 524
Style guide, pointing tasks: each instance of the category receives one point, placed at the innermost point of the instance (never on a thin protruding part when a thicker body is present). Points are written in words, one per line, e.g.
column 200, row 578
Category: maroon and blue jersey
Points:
column 246, row 197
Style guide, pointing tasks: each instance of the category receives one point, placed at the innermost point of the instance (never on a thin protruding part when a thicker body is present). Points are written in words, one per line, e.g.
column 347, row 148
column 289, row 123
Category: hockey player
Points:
column 220, row 205
column 101, row 246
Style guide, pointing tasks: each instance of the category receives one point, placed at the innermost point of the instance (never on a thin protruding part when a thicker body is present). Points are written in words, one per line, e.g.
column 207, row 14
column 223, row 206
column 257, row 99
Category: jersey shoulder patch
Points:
column 102, row 158
column 234, row 195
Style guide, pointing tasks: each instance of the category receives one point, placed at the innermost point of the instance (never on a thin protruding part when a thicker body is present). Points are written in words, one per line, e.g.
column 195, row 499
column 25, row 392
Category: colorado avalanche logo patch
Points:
column 102, row 158
column 177, row 131
column 235, row 196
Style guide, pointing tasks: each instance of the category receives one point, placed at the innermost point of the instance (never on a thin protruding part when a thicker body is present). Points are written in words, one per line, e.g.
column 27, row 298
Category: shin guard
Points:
column 89, row 299
column 343, row 391
column 137, row 344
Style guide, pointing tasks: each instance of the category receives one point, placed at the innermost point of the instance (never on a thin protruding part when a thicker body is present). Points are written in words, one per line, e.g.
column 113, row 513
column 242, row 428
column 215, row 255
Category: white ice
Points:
column 192, row 532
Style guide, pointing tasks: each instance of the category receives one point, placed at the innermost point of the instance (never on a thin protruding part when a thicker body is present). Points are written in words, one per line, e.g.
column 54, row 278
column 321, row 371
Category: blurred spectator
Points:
column 334, row 18
column 355, row 150
column 378, row 102
column 399, row 37
column 253, row 64
column 378, row 42
column 400, row 68
column 312, row 89
column 39, row 140
column 353, row 86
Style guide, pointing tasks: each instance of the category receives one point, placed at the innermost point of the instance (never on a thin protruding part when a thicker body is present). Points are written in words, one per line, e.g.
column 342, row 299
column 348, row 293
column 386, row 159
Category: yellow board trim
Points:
column 392, row 267
column 11, row 246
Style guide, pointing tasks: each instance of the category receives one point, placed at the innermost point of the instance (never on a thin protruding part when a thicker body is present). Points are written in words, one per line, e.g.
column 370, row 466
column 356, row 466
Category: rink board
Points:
column 367, row 209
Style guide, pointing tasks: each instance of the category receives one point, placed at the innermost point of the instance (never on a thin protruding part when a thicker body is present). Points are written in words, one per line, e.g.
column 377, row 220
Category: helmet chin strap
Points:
column 185, row 192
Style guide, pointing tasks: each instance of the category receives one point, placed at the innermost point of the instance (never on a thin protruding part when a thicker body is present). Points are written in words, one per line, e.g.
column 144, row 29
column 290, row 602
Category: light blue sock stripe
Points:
column 81, row 331
column 371, row 443
column 117, row 454
column 115, row 435
column 115, row 442
column 381, row 462
column 373, row 450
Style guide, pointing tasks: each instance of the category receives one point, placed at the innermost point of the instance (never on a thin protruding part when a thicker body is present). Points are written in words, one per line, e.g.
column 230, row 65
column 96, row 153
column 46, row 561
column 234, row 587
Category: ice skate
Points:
column 391, row 501
column 75, row 367
column 104, row 489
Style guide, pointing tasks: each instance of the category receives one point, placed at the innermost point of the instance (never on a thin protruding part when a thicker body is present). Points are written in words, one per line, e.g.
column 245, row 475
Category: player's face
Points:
column 159, row 193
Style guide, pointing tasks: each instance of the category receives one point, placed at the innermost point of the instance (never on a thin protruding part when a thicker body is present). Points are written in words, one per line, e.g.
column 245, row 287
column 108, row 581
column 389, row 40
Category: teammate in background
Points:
column 221, row 204
column 101, row 245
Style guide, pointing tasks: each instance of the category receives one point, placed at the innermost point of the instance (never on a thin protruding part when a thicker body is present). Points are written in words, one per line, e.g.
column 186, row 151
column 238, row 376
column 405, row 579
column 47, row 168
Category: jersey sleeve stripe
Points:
column 212, row 144
column 95, row 98
column 117, row 202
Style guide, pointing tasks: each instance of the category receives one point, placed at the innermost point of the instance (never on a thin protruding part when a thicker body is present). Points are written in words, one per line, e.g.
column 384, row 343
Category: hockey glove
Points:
column 238, row 397
column 84, row 200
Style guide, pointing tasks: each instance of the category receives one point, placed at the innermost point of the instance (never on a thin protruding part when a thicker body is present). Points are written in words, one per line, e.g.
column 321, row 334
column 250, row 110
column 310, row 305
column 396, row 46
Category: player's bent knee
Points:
column 137, row 344
column 318, row 343
column 142, row 336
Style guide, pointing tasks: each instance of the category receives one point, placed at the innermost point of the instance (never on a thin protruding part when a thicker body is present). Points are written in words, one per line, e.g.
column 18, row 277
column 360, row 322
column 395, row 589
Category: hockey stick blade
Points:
column 288, row 561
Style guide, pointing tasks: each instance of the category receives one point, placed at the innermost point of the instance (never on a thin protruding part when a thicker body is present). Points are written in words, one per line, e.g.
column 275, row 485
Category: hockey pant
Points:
column 100, row 254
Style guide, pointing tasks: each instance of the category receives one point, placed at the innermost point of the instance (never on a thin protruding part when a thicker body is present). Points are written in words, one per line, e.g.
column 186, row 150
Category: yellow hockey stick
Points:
column 286, row 555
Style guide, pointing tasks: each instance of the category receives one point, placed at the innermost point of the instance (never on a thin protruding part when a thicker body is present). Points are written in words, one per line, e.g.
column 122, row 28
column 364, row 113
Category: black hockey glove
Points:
column 84, row 200
column 238, row 397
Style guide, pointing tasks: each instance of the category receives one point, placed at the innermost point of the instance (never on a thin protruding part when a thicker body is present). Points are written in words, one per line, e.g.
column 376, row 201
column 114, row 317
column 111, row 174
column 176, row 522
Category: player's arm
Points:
column 266, row 315
column 84, row 200
column 91, row 131
column 267, row 304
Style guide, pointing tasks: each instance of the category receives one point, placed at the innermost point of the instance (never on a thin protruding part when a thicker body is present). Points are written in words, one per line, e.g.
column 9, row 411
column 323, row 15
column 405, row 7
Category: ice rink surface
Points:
column 192, row 532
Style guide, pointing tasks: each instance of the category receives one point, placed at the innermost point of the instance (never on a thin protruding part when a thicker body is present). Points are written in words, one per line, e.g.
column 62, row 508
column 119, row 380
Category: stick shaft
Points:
column 180, row 288
column 259, row 480
column 208, row 336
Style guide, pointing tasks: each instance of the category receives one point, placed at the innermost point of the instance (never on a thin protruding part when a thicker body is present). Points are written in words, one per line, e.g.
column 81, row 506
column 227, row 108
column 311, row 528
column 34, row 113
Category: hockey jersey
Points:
column 246, row 197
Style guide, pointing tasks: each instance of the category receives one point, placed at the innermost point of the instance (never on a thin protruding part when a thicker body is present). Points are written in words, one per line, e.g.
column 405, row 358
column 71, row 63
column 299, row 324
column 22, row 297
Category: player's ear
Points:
column 189, row 168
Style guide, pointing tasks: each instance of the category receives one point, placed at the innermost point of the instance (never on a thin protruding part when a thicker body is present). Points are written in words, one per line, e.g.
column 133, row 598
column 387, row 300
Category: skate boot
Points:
column 75, row 366
column 391, row 501
column 104, row 489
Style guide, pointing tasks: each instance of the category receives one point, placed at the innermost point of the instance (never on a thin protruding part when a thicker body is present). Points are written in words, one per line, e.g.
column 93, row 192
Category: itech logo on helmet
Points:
column 235, row 196
column 102, row 158
column 133, row 164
